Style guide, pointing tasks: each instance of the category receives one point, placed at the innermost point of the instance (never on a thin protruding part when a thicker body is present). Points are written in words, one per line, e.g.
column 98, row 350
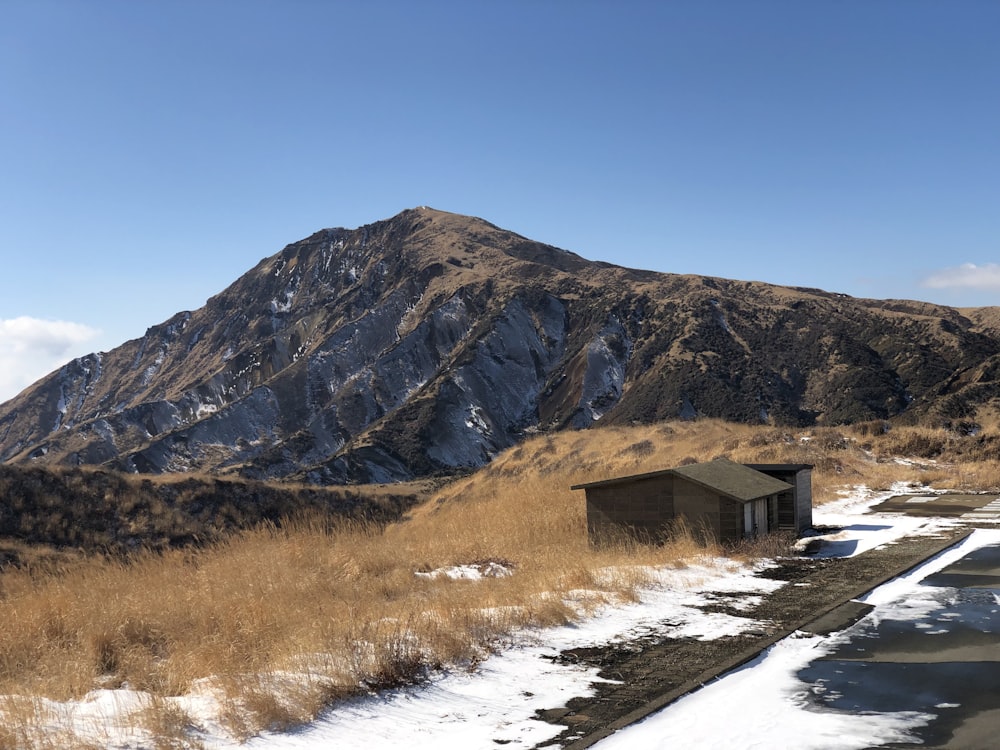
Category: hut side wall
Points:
column 699, row 506
column 803, row 500
column 730, row 520
column 644, row 508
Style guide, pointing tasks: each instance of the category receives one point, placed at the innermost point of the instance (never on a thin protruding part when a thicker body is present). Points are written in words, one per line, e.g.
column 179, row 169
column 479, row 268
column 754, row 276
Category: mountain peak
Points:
column 428, row 342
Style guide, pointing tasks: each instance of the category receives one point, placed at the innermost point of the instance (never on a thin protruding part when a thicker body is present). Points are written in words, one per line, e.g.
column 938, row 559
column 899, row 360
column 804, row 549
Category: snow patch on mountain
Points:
column 486, row 405
column 608, row 355
column 151, row 370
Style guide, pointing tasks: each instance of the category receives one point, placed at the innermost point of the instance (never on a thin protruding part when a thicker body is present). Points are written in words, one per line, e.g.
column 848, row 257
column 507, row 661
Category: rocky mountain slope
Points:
column 428, row 342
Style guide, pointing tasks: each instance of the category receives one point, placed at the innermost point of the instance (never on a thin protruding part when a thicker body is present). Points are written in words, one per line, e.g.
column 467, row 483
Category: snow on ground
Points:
column 496, row 704
column 472, row 572
column 773, row 710
column 855, row 533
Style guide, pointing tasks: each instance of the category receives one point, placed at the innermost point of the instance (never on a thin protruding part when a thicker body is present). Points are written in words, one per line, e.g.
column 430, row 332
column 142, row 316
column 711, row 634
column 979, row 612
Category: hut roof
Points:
column 722, row 475
column 735, row 480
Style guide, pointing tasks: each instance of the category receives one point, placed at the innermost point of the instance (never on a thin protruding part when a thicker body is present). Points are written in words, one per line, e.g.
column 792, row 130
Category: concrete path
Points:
column 659, row 673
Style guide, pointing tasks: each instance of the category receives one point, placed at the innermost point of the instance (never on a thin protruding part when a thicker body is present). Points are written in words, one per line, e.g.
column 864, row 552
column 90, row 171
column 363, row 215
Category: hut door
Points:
column 755, row 518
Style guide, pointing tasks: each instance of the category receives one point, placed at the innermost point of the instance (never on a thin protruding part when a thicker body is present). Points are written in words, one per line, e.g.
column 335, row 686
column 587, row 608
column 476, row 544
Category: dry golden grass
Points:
column 169, row 726
column 340, row 605
column 28, row 723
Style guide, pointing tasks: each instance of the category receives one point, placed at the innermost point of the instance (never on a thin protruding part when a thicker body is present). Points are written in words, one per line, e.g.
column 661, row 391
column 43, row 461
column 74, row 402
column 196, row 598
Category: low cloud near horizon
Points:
column 31, row 348
column 965, row 276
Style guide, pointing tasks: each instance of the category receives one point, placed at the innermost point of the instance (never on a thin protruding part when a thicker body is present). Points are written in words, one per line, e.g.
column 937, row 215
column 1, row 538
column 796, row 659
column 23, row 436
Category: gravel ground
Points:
column 653, row 674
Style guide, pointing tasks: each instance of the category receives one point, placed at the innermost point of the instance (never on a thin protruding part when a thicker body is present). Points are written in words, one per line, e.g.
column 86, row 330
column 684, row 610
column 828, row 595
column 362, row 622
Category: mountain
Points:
column 426, row 343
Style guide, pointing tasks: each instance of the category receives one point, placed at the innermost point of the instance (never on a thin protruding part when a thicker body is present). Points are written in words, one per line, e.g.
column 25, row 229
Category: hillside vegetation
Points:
column 85, row 509
column 284, row 620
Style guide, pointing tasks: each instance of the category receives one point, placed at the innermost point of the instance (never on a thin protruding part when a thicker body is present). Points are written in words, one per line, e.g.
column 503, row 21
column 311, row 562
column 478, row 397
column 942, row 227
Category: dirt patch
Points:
column 649, row 674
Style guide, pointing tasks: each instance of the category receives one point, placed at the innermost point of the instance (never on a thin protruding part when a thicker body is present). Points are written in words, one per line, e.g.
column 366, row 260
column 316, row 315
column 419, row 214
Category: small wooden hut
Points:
column 728, row 500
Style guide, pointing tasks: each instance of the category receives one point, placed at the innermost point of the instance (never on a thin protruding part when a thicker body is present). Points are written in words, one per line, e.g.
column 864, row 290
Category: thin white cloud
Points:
column 965, row 276
column 31, row 348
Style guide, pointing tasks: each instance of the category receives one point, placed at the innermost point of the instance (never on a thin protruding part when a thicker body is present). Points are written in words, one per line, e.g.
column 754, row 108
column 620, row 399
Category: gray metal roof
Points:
column 722, row 475
column 622, row 480
column 735, row 480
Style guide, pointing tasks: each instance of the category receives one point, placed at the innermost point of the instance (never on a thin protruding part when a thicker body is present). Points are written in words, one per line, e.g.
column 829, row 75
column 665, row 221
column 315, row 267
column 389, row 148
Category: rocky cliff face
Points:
column 429, row 342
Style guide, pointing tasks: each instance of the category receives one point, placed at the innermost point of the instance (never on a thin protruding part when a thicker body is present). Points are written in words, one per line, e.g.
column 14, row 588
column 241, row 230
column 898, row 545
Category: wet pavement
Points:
column 970, row 507
column 938, row 656
column 819, row 598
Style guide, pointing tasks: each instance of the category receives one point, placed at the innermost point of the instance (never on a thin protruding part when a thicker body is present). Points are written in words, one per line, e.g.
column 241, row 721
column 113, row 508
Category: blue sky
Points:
column 152, row 152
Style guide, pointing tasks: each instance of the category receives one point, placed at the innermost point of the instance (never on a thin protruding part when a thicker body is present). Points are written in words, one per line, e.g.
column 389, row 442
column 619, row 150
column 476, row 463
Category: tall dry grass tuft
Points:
column 767, row 547
column 169, row 726
column 285, row 620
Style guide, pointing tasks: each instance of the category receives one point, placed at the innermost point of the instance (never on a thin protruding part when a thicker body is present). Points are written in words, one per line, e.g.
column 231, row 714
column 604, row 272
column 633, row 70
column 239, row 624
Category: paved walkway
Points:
column 652, row 675
column 989, row 512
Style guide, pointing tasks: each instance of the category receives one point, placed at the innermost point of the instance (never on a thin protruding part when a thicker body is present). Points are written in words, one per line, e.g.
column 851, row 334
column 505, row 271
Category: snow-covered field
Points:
column 495, row 705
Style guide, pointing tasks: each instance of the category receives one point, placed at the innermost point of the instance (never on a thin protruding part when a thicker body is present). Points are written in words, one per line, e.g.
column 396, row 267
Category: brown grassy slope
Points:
column 349, row 596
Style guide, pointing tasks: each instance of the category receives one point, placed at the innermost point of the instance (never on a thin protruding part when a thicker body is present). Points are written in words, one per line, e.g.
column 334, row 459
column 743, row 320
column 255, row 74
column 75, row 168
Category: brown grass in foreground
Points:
column 341, row 604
